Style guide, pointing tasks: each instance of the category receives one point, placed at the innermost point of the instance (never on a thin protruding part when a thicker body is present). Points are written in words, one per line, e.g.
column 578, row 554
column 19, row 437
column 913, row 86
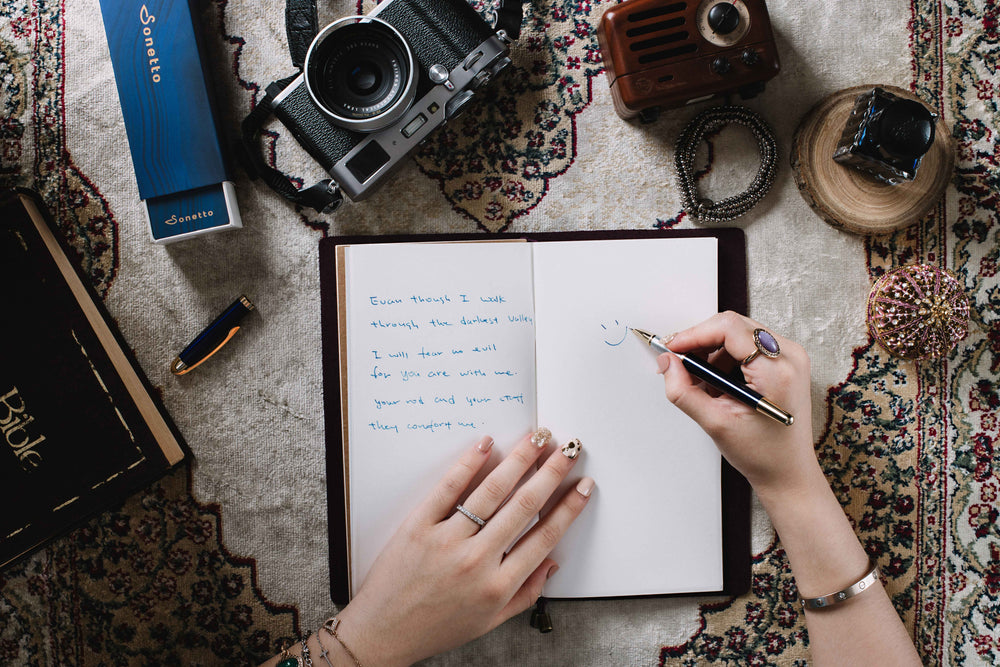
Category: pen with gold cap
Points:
column 213, row 337
column 715, row 377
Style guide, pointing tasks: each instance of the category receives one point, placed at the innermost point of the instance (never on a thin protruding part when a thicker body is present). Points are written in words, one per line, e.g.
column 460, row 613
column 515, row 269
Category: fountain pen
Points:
column 213, row 337
column 715, row 377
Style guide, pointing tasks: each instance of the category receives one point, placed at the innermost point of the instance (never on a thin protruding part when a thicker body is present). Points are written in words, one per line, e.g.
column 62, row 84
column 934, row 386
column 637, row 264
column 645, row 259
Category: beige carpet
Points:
column 253, row 416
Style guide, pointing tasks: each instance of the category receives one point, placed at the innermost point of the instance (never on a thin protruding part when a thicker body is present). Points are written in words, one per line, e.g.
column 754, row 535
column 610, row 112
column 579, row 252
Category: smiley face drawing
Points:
column 614, row 334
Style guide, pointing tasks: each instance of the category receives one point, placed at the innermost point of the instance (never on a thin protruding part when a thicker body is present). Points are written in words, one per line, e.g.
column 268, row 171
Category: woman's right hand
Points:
column 780, row 462
column 769, row 454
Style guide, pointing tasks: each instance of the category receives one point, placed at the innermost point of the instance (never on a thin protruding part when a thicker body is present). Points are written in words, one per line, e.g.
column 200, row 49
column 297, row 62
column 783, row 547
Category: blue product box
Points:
column 172, row 127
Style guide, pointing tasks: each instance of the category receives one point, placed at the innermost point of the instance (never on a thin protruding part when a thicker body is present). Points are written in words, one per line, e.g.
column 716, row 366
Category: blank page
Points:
column 440, row 344
column 654, row 523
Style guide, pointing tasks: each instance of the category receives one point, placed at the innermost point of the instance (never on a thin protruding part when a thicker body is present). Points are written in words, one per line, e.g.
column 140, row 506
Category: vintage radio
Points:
column 661, row 54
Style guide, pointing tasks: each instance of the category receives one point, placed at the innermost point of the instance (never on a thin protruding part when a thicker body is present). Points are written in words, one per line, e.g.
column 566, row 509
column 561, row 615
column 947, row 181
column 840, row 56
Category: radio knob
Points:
column 749, row 57
column 723, row 18
column 721, row 65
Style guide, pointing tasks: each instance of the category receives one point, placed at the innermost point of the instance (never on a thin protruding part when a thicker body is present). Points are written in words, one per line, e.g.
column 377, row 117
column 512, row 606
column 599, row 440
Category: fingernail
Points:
column 541, row 437
column 663, row 362
column 485, row 444
column 669, row 338
column 552, row 570
column 585, row 486
column 572, row 448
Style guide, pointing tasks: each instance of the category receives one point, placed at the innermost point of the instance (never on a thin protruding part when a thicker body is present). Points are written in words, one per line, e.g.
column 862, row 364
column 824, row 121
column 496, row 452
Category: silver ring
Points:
column 474, row 517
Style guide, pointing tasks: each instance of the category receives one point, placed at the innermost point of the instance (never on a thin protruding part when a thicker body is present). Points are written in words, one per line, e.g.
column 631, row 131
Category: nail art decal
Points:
column 572, row 448
column 541, row 437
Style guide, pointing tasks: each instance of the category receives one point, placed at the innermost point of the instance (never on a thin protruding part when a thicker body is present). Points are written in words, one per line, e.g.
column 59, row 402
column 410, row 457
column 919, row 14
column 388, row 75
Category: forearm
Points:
column 826, row 556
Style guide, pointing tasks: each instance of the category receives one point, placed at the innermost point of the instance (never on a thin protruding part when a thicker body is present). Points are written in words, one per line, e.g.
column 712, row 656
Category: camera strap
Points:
column 301, row 27
column 508, row 17
column 323, row 197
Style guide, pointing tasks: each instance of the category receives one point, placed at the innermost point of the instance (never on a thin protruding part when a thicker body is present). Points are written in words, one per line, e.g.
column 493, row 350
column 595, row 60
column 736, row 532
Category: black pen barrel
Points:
column 716, row 378
column 214, row 335
column 713, row 376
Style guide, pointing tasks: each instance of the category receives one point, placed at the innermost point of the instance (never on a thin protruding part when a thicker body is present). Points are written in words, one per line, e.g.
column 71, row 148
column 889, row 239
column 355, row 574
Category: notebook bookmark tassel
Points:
column 540, row 617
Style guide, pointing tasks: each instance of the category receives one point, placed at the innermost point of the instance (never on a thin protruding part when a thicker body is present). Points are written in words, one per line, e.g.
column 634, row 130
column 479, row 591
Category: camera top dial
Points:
column 723, row 22
column 361, row 72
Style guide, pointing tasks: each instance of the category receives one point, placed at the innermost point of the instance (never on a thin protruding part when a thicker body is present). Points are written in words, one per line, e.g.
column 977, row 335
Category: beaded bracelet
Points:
column 705, row 210
column 859, row 586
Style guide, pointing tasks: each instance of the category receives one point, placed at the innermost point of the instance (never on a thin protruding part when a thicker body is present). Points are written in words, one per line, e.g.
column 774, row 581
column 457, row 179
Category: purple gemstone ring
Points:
column 766, row 344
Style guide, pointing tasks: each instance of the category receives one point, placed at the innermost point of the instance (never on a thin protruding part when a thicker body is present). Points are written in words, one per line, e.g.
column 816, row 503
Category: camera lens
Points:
column 361, row 72
column 364, row 79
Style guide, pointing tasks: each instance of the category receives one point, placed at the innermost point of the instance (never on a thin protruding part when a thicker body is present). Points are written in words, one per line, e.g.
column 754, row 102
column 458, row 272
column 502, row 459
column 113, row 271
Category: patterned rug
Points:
column 147, row 583
column 910, row 449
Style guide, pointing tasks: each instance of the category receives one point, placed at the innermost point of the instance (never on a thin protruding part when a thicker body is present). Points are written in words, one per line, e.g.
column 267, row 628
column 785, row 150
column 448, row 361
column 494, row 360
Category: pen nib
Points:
column 645, row 336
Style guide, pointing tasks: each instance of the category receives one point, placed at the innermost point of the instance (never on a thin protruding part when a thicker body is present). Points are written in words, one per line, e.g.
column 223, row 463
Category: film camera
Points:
column 661, row 54
column 371, row 88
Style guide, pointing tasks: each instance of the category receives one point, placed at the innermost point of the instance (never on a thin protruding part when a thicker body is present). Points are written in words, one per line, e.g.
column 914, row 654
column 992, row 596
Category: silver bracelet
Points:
column 305, row 653
column 836, row 598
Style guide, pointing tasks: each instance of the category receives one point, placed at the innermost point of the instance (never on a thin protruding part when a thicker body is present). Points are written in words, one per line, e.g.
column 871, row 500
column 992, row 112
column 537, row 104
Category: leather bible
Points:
column 80, row 426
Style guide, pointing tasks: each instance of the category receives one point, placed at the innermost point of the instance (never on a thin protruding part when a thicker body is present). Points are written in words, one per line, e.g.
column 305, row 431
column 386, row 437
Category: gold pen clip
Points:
column 178, row 367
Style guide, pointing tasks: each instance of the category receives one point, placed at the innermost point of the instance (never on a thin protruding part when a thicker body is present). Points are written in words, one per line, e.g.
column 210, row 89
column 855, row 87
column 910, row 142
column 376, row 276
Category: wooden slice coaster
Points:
column 850, row 199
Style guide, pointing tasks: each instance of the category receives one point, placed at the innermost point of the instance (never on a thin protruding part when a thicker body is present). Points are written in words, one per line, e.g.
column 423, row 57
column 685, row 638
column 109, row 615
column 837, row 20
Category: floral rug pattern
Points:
column 495, row 161
column 922, row 498
column 152, row 582
column 148, row 583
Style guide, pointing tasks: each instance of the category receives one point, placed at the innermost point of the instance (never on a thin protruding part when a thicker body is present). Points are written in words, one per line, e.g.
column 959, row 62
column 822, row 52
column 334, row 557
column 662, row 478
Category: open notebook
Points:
column 439, row 344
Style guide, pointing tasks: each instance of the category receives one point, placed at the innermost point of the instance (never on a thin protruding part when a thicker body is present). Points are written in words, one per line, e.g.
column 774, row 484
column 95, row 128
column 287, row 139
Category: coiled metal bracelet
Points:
column 703, row 209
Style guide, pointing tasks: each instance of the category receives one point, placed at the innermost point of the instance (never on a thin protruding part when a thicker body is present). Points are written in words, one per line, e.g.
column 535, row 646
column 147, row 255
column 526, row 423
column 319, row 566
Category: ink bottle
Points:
column 886, row 136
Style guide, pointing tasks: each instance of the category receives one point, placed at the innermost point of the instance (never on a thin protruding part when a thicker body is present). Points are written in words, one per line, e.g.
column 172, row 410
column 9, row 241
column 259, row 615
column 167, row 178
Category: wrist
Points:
column 804, row 482
column 359, row 631
column 822, row 548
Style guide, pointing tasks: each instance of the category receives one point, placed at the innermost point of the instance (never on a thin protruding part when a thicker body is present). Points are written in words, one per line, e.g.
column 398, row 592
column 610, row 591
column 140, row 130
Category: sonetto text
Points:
column 147, row 32
column 174, row 219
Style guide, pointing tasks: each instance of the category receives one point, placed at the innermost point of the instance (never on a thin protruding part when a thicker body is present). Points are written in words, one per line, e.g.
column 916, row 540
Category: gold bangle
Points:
column 857, row 587
column 330, row 626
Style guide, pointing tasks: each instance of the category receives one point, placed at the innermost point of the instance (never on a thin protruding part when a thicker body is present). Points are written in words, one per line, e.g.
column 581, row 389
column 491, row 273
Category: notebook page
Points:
column 440, row 352
column 654, row 523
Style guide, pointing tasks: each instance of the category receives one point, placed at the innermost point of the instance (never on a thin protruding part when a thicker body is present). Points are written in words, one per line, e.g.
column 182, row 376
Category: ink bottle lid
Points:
column 886, row 136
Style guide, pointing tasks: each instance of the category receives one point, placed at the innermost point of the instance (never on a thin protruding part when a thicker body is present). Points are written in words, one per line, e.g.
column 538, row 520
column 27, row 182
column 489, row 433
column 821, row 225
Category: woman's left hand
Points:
column 442, row 580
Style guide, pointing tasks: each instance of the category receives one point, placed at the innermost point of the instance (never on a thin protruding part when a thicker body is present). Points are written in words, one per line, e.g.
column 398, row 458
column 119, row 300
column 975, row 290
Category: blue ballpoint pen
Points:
column 715, row 377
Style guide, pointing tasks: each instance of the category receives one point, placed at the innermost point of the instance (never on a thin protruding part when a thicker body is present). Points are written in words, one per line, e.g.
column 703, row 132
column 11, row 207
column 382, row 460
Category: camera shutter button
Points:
column 439, row 74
